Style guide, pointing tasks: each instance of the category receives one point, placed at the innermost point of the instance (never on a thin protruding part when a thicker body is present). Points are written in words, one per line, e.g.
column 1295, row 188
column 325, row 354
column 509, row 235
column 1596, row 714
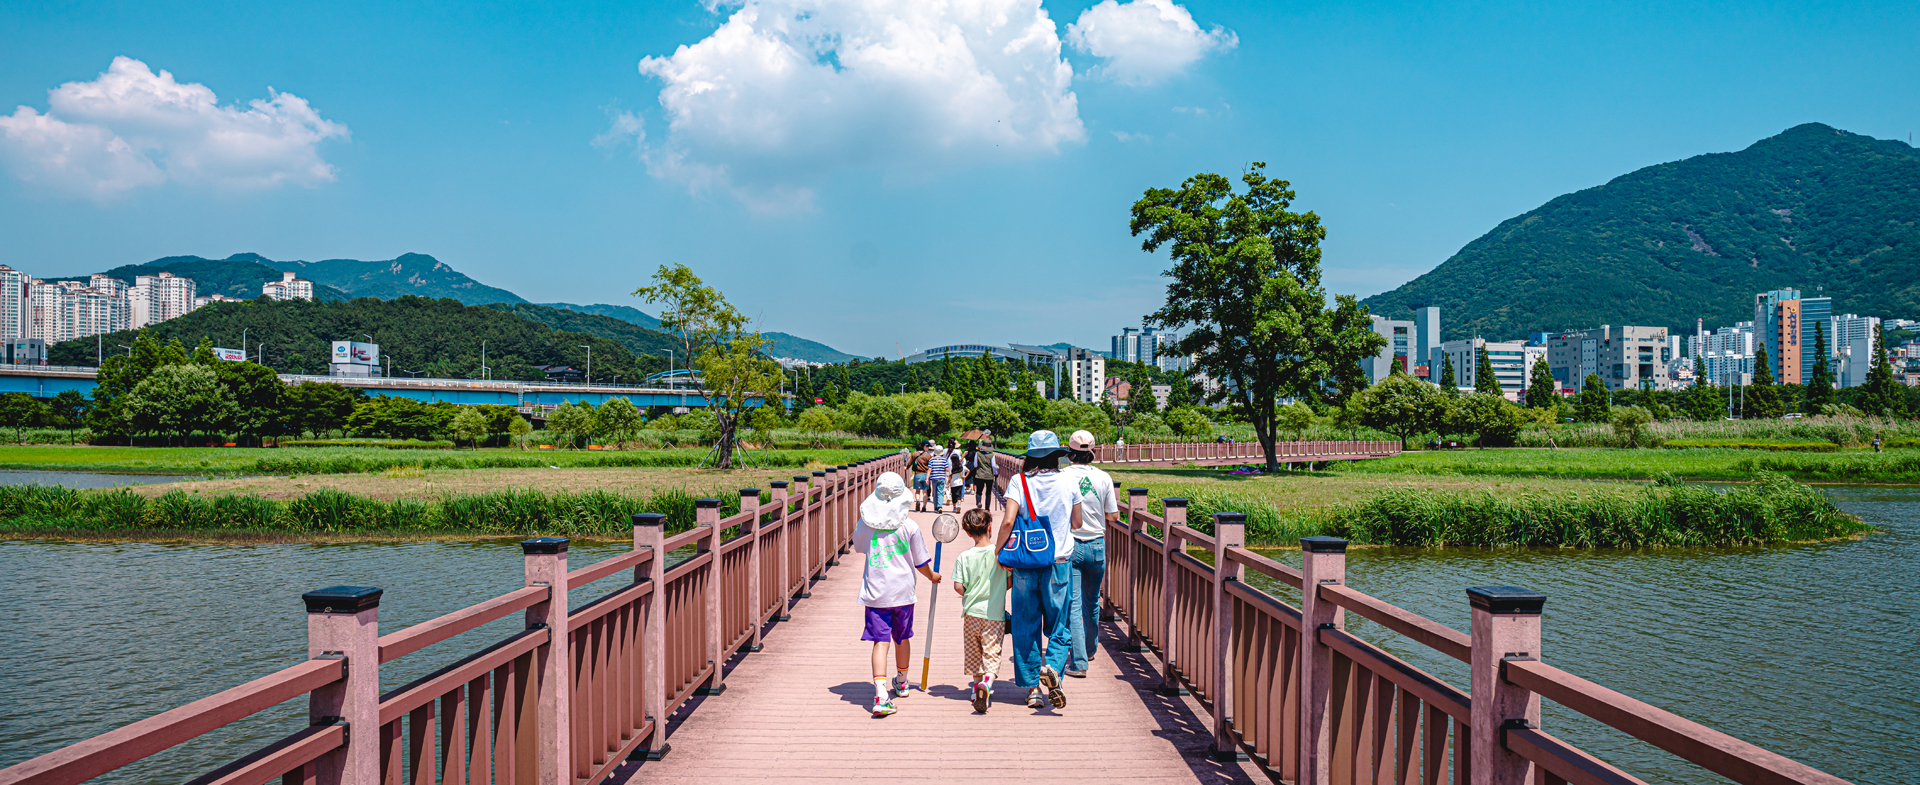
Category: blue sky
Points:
column 922, row 173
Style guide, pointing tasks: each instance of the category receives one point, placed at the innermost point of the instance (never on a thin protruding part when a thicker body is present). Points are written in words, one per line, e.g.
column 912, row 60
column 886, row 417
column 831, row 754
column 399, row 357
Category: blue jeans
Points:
column 1089, row 571
column 1040, row 604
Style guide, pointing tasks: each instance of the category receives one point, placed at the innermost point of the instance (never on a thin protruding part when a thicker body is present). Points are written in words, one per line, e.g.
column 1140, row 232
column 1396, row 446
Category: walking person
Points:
column 895, row 549
column 1042, row 634
column 937, row 466
column 981, row 468
column 1098, row 507
column 956, row 473
column 919, row 465
column 982, row 585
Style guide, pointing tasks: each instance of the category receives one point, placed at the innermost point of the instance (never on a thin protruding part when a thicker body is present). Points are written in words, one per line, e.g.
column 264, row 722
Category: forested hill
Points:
column 429, row 338
column 235, row 277
column 778, row 344
column 1814, row 208
column 406, row 274
column 637, row 339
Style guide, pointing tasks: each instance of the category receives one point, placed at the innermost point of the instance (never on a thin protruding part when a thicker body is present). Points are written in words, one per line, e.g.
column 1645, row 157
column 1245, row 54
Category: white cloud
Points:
column 1144, row 41
column 132, row 128
column 788, row 92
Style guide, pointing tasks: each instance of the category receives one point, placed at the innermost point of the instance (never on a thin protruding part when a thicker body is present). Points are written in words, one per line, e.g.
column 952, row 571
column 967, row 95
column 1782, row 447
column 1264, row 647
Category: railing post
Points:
column 649, row 531
column 1229, row 532
column 1136, row 504
column 837, row 481
column 343, row 623
column 546, row 565
column 780, row 499
column 808, row 512
column 706, row 514
column 1114, row 557
column 750, row 504
column 1506, row 626
column 1323, row 561
column 1170, row 592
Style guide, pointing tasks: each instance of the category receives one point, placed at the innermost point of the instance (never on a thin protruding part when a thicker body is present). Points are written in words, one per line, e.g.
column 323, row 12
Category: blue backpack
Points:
column 1030, row 547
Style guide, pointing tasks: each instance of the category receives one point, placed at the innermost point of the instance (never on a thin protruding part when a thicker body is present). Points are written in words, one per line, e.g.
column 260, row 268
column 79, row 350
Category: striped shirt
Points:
column 937, row 470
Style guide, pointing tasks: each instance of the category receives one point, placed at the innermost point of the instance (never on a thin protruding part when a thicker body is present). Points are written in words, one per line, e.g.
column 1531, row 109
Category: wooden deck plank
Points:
column 798, row 712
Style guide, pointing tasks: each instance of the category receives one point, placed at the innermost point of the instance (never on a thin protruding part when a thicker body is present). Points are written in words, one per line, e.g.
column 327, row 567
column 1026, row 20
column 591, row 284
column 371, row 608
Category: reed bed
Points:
column 1841, row 431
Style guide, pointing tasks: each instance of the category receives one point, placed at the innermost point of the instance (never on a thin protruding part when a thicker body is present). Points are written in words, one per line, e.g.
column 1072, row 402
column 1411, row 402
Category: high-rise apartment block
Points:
column 288, row 288
column 1086, row 374
column 157, row 298
column 1426, row 343
column 1788, row 324
column 49, row 312
column 1727, row 353
column 1625, row 358
column 1851, row 341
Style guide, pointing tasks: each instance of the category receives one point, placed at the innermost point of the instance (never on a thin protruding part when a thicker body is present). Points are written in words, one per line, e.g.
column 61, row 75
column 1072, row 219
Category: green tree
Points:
column 1630, row 423
column 1489, row 417
column 1543, row 391
column 571, row 424
column 995, row 415
column 884, row 416
column 1819, row 390
column 1401, row 405
column 815, row 421
column 1762, row 399
column 1592, row 403
column 470, row 425
column 1705, row 403
column 1448, row 381
column 1246, row 278
column 1027, row 400
column 1882, row 395
column 518, row 429
column 257, row 394
column 178, row 399
column 733, row 372
column 1483, row 378
column 1191, row 425
column 318, row 407
column 619, row 419
column 17, row 411
column 67, row 409
column 1294, row 419
column 929, row 420
column 1181, row 396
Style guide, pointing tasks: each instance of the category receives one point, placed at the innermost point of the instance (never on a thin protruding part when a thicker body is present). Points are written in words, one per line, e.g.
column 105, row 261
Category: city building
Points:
column 156, row 298
column 1512, row 363
column 1086, row 374
column 1787, row 323
column 288, row 288
column 1167, row 357
column 200, row 302
column 1851, row 342
column 1625, row 358
column 16, row 311
column 1400, row 345
column 1727, row 353
column 1426, row 343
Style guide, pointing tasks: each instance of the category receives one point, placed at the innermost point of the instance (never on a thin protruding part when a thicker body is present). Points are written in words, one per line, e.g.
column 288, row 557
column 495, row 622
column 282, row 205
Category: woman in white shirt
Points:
column 1042, row 631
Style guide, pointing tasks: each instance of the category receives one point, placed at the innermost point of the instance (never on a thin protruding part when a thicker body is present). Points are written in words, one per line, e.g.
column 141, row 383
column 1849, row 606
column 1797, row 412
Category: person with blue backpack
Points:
column 1036, row 545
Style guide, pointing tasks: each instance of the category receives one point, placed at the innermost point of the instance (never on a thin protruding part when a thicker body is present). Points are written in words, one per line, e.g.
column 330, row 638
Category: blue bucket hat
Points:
column 1043, row 443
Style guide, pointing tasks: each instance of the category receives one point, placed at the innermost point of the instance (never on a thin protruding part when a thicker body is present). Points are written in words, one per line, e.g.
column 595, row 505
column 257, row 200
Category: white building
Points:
column 201, row 302
column 16, row 311
column 1086, row 374
column 1852, row 347
column 1727, row 352
column 288, row 288
column 1400, row 345
column 157, row 298
column 1512, row 363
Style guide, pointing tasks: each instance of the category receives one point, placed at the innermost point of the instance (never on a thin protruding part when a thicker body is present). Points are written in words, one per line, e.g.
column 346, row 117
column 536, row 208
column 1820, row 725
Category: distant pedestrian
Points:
column 920, row 463
column 983, row 586
column 937, row 465
column 956, row 473
column 1120, row 449
column 980, row 464
column 895, row 549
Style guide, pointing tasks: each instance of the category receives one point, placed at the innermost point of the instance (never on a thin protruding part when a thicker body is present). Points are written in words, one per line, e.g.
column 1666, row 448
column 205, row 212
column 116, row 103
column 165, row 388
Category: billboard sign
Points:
column 355, row 353
column 230, row 355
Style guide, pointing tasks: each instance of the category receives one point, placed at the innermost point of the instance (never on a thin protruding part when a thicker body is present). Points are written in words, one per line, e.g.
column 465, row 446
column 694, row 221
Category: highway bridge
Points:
column 44, row 381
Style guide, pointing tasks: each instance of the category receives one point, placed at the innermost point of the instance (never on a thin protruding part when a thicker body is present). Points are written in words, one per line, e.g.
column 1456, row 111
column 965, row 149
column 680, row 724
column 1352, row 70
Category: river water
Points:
column 85, row 479
column 1810, row 651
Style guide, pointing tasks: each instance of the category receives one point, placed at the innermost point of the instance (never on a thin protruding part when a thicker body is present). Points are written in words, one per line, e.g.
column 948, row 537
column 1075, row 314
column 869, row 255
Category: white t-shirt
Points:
column 1054, row 497
column 892, row 556
column 1096, row 500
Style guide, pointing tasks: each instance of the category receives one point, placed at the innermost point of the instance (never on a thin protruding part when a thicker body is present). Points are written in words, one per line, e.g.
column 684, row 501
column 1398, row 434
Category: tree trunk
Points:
column 724, row 445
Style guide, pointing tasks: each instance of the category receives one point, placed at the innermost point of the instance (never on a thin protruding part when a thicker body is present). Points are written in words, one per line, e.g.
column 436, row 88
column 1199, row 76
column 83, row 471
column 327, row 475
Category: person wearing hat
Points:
column 1098, row 507
column 895, row 551
column 1042, row 633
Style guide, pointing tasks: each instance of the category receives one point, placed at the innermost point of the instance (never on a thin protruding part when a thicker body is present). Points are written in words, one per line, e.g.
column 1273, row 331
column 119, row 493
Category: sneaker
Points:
column 900, row 689
column 1076, row 674
column 882, row 708
column 1051, row 681
column 982, row 695
column 1034, row 701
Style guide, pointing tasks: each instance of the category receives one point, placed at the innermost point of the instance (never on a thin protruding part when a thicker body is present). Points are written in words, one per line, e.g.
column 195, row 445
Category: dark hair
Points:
column 976, row 522
column 1080, row 456
column 1030, row 464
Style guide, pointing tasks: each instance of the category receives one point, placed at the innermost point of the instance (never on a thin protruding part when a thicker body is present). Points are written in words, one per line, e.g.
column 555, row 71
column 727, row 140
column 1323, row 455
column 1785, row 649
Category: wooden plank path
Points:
column 798, row 711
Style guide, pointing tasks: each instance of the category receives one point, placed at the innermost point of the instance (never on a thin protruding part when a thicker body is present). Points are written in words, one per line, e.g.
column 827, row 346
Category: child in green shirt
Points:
column 982, row 584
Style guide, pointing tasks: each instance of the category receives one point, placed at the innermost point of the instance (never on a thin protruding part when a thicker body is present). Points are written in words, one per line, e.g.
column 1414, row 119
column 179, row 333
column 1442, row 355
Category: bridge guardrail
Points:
column 565, row 700
column 1310, row 702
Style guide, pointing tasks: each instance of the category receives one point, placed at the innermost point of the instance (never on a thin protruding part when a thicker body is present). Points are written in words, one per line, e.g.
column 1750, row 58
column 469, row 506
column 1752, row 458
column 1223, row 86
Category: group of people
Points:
column 1052, row 611
column 942, row 475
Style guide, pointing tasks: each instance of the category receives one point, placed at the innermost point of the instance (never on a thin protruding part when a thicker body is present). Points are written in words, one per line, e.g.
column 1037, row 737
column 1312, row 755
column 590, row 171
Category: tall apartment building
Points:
column 1426, row 343
column 1512, row 363
column 288, row 288
column 1398, row 351
column 1788, row 323
column 1727, row 353
column 1851, row 341
column 1166, row 356
column 1086, row 374
column 16, row 310
column 1625, row 358
column 157, row 298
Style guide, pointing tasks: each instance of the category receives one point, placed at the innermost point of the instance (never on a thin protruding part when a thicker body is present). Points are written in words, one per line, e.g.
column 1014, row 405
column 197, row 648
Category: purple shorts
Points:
column 889, row 624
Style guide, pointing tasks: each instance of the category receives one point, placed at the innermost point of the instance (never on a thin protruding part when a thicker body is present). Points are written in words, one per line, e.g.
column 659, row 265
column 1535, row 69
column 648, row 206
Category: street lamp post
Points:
column 126, row 347
column 388, row 373
column 243, row 342
column 485, row 372
column 589, row 349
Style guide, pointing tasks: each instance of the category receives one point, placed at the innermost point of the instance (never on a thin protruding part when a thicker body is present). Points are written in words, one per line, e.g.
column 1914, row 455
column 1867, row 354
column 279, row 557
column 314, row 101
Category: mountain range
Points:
column 1814, row 208
column 242, row 274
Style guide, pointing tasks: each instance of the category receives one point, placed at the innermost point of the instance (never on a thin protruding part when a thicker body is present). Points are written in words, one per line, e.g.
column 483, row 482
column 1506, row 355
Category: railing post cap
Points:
column 1116, row 484
column 544, row 545
column 706, row 504
column 1230, row 518
column 1323, row 544
column 1506, row 600
column 819, row 474
column 649, row 519
column 778, row 484
column 1133, row 491
column 800, row 478
column 342, row 599
column 1173, row 501
column 745, row 492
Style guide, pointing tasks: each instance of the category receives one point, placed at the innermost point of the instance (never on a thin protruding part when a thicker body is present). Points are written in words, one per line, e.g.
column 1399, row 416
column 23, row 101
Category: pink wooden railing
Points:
column 1311, row 703
column 523, row 710
column 1243, row 452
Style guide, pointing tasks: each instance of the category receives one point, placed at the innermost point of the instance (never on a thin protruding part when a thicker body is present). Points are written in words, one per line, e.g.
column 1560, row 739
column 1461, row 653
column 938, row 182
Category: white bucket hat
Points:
column 886, row 507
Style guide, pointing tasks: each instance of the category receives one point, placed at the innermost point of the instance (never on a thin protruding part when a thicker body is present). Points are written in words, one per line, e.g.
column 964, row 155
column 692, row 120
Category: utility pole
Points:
column 485, row 372
column 589, row 349
column 243, row 342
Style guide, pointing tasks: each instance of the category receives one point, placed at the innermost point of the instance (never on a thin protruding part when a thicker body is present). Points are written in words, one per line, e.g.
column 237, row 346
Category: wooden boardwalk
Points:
column 798, row 712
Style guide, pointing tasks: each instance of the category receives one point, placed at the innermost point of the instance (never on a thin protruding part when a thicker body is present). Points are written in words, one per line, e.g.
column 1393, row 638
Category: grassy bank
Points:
column 342, row 460
column 1707, row 463
column 1434, row 510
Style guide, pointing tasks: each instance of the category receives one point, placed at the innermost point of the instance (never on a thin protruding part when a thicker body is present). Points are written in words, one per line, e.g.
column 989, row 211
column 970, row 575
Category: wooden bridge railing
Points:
column 1314, row 704
column 561, row 702
column 1215, row 452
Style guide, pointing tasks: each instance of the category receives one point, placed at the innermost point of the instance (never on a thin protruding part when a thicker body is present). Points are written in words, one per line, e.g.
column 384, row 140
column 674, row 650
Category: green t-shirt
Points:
column 986, row 595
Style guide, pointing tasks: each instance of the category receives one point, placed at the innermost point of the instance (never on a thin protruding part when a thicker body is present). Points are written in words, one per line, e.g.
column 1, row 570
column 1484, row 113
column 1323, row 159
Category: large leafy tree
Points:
column 178, row 399
column 1401, row 405
column 1246, row 282
column 1592, row 404
column 17, row 411
column 733, row 374
column 1762, row 398
column 1820, row 387
column 67, row 409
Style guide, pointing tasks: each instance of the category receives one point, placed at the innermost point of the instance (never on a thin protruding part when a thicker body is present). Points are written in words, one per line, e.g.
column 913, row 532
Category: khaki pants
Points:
column 982, row 644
